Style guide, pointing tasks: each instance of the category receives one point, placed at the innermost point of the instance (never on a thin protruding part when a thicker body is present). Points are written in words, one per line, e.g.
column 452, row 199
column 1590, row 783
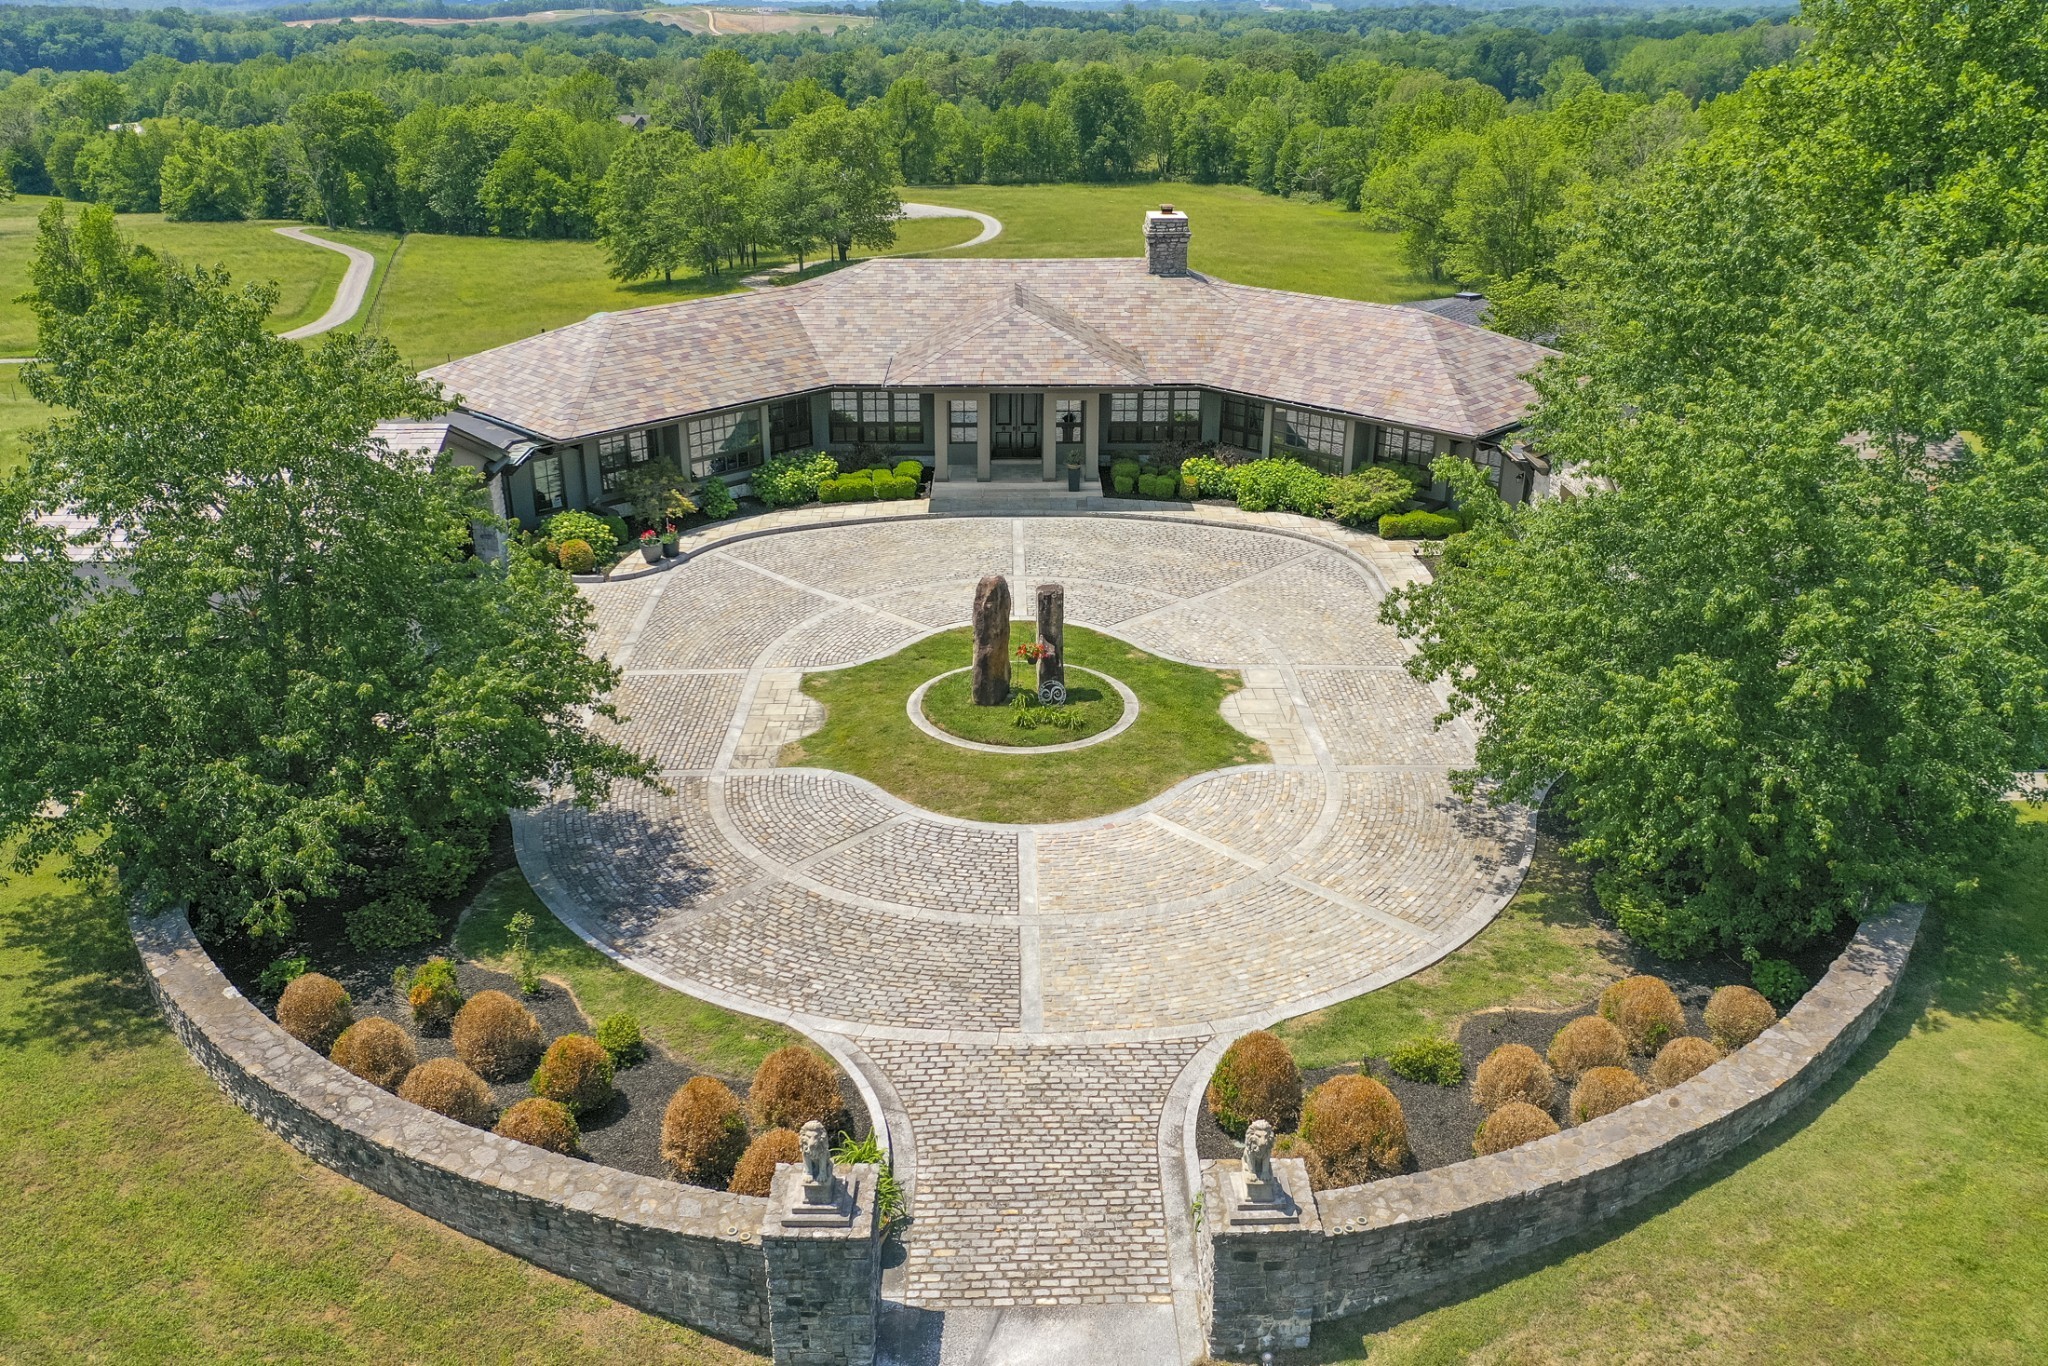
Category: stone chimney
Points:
column 1166, row 241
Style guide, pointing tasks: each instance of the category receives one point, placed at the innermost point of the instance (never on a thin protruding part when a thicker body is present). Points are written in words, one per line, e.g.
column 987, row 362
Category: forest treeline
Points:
column 1473, row 134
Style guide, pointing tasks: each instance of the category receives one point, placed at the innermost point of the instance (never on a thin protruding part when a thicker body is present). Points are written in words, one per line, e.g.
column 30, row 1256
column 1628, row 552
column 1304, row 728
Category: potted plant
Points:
column 670, row 539
column 1073, row 471
column 650, row 546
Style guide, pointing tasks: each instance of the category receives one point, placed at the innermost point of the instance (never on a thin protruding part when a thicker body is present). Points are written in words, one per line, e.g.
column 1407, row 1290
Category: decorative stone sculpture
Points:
column 1052, row 632
column 1258, row 1158
column 1257, row 1197
column 820, row 1185
column 813, row 1196
column 992, row 642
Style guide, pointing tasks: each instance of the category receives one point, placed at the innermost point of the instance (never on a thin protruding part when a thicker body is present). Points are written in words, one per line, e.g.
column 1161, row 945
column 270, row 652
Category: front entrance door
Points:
column 1016, row 433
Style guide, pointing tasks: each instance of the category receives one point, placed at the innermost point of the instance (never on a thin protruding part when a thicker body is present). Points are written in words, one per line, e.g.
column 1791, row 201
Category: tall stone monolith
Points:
column 992, row 642
column 1052, row 631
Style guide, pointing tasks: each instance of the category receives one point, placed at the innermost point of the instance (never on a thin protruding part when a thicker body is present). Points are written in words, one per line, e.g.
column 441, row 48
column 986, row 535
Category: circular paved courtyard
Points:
column 1033, row 1007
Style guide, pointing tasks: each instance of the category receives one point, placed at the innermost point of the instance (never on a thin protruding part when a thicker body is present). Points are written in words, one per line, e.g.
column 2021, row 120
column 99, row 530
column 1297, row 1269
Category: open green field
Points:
column 1241, row 235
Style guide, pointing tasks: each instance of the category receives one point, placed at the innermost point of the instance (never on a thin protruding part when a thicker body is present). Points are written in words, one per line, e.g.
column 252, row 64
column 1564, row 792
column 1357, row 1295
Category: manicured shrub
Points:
column 791, row 1087
column 1778, row 981
column 619, row 1036
column 314, row 1009
column 496, row 1035
column 376, row 1050
column 577, row 1072
column 446, row 1087
column 543, row 1123
column 1684, row 1058
column 1256, row 1079
column 754, row 1174
column 1282, row 484
column 1603, row 1090
column 1123, row 484
column 1439, row 1062
column 433, row 993
column 1645, row 1010
column 576, row 556
column 1212, row 478
column 1363, row 498
column 1189, row 489
column 1513, row 1073
column 1419, row 526
column 1587, row 1042
column 1124, row 467
column 791, row 480
column 595, row 532
column 703, row 1131
column 1512, row 1125
column 913, row 470
column 1356, row 1126
column 714, row 499
column 1736, row 1015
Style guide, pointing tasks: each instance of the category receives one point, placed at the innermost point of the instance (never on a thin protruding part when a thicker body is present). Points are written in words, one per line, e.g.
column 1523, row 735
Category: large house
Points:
column 984, row 367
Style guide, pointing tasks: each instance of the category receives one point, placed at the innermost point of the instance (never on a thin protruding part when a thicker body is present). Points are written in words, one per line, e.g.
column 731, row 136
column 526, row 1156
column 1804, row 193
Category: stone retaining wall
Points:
column 1362, row 1246
column 687, row 1254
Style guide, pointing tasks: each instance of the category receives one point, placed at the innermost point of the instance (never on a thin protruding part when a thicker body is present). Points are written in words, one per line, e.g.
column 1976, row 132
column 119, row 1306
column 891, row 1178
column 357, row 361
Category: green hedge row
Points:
column 866, row 486
column 1287, row 485
column 1130, row 479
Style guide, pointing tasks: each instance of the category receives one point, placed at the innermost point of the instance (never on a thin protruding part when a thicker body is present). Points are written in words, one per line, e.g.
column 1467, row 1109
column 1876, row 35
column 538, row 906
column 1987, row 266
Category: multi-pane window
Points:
column 1244, row 423
column 1153, row 417
column 1490, row 459
column 724, row 443
column 1312, row 438
column 789, row 425
column 1067, row 421
column 547, row 484
column 617, row 454
column 963, row 421
column 1406, row 446
column 876, row 417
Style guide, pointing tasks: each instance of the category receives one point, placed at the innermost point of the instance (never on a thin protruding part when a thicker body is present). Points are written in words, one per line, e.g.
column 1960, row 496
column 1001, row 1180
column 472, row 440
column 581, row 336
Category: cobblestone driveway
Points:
column 1034, row 1007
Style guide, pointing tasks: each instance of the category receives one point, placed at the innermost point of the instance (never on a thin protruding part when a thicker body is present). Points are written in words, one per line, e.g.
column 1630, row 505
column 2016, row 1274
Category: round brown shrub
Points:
column 1512, row 1125
column 1256, row 1079
column 577, row 1072
column 1355, row 1125
column 1684, row 1058
column 1735, row 1015
column 376, row 1050
column 543, row 1123
column 1291, row 1145
column 1603, row 1090
column 1512, row 1072
column 1645, row 1010
column 1587, row 1042
column 703, row 1131
column 496, row 1036
column 446, row 1087
column 756, row 1169
column 314, row 1010
column 792, row 1087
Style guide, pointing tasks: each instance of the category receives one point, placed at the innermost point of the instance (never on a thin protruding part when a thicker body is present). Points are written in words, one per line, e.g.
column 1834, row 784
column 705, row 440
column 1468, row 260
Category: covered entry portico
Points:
column 1010, row 429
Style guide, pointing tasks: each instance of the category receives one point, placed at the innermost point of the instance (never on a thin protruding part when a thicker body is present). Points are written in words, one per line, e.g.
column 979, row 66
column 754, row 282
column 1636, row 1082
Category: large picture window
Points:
column 724, row 443
column 1311, row 438
column 789, row 426
column 1244, row 423
column 876, row 417
column 547, row 484
column 1153, row 417
column 1406, row 446
column 617, row 454
column 963, row 421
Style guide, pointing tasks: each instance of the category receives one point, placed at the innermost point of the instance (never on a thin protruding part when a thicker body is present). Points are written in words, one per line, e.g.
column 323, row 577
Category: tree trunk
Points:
column 1052, row 631
column 992, row 642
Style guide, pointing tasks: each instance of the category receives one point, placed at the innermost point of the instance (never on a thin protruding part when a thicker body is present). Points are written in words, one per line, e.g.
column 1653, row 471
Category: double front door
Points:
column 1015, row 430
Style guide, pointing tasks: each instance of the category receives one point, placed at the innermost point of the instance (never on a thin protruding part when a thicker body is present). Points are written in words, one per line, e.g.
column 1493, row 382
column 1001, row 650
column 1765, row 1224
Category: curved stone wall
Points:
column 687, row 1254
column 1358, row 1247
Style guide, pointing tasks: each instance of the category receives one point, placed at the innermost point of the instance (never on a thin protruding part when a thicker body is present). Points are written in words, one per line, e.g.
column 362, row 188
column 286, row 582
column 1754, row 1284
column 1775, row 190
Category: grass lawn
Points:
column 1241, row 235
column 1178, row 733
column 149, row 1219
column 1091, row 708
column 701, row 1034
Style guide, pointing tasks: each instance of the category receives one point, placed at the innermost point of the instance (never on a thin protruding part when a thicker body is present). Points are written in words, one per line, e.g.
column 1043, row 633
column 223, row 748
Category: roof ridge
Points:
column 1093, row 338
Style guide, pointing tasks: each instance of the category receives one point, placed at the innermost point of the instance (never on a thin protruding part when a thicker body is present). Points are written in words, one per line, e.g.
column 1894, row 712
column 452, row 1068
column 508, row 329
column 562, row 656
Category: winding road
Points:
column 348, row 298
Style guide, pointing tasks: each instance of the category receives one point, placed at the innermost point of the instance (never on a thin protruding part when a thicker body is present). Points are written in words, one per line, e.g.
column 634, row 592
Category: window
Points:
column 1406, row 446
column 618, row 453
column 789, row 426
column 1244, row 423
column 724, row 443
column 1311, row 438
column 1490, row 459
column 876, row 417
column 1067, row 421
column 547, row 484
column 1155, row 417
column 963, row 421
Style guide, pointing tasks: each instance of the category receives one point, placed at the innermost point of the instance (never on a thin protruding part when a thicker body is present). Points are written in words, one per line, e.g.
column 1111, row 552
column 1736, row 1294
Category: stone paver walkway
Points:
column 1033, row 1010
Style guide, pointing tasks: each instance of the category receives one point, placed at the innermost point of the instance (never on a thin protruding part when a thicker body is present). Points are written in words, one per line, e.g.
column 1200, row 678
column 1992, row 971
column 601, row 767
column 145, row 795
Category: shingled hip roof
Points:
column 928, row 324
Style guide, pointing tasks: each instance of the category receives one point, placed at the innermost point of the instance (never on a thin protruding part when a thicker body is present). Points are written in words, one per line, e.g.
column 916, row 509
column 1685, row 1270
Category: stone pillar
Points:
column 1048, row 436
column 942, row 435
column 984, row 435
column 1052, row 630
column 1264, row 1275
column 992, row 642
column 1091, row 428
column 824, row 1269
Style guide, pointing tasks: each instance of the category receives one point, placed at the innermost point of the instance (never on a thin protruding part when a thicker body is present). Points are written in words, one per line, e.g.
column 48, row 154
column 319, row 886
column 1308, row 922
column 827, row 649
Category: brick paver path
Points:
column 1033, row 1009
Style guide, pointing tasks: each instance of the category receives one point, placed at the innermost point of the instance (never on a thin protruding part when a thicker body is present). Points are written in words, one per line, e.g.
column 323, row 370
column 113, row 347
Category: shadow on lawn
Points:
column 81, row 985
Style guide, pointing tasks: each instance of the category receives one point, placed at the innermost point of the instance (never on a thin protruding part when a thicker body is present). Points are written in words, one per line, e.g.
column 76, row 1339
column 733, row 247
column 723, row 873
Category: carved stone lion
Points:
column 817, row 1150
column 1258, row 1153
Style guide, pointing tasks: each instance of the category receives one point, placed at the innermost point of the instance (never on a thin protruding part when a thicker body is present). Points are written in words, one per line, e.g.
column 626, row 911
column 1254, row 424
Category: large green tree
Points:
column 289, row 683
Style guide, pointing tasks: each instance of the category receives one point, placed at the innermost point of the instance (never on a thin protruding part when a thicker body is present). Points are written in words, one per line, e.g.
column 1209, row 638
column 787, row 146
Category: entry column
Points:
column 984, row 415
column 1048, row 435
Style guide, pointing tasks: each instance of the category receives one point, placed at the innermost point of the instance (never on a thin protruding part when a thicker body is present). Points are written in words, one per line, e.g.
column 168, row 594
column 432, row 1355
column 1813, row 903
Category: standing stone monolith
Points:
column 1052, row 632
column 992, row 642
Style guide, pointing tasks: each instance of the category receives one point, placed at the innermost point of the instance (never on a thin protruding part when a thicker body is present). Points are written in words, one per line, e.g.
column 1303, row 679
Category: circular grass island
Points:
column 1171, row 729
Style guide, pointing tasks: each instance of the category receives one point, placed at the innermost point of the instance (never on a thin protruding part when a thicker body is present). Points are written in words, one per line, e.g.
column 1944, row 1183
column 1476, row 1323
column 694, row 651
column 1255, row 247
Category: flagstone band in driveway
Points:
column 1032, row 1009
